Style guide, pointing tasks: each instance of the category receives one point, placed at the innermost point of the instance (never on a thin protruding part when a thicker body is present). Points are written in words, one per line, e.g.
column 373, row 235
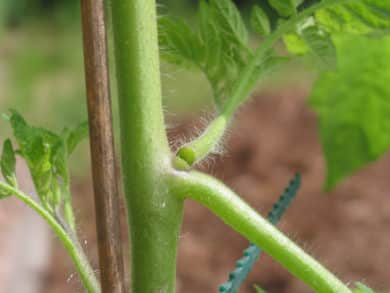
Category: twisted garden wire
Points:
column 252, row 253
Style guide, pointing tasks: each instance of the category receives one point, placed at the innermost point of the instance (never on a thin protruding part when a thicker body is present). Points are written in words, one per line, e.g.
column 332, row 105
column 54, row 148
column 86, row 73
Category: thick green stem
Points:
column 72, row 246
column 154, row 216
column 236, row 213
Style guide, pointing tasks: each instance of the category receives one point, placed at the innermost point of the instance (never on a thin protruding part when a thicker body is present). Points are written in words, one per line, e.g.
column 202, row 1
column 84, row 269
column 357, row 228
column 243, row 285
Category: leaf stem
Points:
column 200, row 147
column 241, row 217
column 206, row 143
column 70, row 242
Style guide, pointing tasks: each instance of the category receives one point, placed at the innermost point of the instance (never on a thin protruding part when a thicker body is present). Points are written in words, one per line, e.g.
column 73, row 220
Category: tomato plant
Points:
column 158, row 180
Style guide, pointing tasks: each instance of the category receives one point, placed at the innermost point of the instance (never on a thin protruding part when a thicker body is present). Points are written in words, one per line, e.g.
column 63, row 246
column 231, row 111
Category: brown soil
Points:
column 274, row 136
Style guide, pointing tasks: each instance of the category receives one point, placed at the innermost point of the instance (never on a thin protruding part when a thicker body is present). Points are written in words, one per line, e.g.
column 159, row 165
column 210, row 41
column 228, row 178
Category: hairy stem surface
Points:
column 236, row 213
column 154, row 216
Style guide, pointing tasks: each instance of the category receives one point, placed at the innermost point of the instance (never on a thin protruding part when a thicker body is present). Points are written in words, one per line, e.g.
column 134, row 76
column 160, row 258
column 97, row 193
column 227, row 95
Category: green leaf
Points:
column 8, row 163
column 179, row 44
column 359, row 17
column 361, row 288
column 270, row 62
column 76, row 135
column 18, row 124
column 46, row 154
column 321, row 45
column 59, row 156
column 39, row 147
column 353, row 106
column 24, row 133
column 285, row 8
column 212, row 40
column 219, row 48
column 229, row 21
column 295, row 44
column 224, row 39
column 309, row 37
column 260, row 21
column 224, row 35
column 362, row 17
column 38, row 154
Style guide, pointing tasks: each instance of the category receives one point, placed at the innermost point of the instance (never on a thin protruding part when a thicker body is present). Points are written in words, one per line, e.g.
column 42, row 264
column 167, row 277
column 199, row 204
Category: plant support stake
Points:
column 102, row 147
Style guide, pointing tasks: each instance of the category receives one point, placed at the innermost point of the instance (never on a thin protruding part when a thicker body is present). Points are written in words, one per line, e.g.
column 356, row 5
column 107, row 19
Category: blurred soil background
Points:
column 275, row 135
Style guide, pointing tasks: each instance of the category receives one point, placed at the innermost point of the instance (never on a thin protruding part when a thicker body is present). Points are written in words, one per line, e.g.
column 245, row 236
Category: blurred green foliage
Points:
column 41, row 65
column 16, row 12
column 42, row 70
column 353, row 106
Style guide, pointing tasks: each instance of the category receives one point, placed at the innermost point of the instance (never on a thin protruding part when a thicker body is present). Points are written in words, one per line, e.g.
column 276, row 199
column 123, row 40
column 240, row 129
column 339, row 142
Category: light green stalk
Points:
column 200, row 147
column 70, row 243
column 154, row 216
column 235, row 212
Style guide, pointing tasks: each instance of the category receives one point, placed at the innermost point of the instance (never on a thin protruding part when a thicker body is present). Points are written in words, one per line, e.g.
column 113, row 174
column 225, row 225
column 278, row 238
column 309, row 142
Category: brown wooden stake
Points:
column 102, row 146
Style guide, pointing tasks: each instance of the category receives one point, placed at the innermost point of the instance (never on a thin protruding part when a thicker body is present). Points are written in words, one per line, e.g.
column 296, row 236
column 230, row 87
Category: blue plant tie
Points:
column 252, row 253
